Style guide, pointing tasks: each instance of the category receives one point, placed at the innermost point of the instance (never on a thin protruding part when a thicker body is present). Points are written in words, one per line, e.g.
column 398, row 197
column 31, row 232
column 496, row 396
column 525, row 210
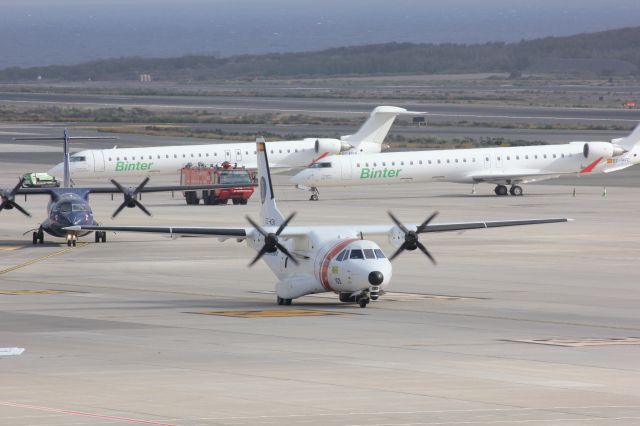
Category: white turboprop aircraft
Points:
column 317, row 259
column 499, row 166
column 119, row 162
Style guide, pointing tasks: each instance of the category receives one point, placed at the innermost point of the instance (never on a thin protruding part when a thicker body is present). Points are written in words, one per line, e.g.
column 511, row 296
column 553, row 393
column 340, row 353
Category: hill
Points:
column 607, row 53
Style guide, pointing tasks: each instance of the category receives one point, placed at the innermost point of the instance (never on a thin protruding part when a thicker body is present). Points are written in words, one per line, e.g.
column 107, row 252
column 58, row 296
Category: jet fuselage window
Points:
column 77, row 159
column 368, row 254
column 356, row 254
column 379, row 254
column 341, row 255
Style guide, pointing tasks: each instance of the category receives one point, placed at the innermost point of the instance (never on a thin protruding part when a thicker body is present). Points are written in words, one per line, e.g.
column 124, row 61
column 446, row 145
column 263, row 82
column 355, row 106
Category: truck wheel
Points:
column 243, row 201
column 236, row 201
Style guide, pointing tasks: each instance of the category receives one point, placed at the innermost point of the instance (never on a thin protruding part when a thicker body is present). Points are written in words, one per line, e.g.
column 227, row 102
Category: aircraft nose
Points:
column 376, row 278
column 56, row 171
column 299, row 178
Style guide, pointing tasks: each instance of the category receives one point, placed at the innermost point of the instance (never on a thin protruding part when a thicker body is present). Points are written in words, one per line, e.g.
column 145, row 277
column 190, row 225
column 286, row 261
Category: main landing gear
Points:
column 100, row 236
column 315, row 194
column 501, row 190
column 38, row 236
column 282, row 301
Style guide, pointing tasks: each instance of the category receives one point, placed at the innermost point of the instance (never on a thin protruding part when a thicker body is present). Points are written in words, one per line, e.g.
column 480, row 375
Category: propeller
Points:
column 271, row 243
column 130, row 197
column 8, row 199
column 411, row 239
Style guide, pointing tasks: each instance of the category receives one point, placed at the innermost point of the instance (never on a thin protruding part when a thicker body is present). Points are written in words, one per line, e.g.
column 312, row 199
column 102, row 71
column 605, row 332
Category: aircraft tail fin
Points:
column 372, row 133
column 269, row 213
column 630, row 141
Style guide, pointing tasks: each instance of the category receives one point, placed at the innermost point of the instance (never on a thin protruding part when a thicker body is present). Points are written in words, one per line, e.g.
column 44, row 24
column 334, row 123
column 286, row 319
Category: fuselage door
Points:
column 98, row 161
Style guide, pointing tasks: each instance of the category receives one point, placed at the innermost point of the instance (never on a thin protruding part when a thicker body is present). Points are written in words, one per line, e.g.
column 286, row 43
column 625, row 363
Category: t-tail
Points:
column 65, row 148
column 372, row 133
column 269, row 213
column 629, row 142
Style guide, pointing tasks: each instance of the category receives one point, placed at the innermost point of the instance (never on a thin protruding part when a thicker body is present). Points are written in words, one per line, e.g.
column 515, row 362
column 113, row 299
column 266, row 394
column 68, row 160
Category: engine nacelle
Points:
column 331, row 146
column 593, row 150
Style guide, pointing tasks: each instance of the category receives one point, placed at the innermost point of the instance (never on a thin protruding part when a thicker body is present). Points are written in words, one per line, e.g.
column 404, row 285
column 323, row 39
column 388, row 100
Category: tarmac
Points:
column 527, row 325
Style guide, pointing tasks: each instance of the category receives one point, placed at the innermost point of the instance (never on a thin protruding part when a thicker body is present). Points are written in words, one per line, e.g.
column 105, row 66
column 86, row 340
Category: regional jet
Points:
column 320, row 258
column 499, row 166
column 119, row 162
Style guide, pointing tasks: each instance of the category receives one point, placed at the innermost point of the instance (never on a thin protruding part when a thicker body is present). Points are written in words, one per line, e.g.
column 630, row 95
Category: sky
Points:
column 45, row 32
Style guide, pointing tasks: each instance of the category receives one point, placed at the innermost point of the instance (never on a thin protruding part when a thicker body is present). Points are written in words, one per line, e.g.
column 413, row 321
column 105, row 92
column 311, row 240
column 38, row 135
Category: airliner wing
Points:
column 525, row 176
column 167, row 188
column 186, row 231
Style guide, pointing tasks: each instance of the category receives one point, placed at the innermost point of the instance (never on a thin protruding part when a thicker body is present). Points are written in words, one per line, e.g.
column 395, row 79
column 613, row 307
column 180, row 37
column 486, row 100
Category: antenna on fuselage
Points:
column 65, row 149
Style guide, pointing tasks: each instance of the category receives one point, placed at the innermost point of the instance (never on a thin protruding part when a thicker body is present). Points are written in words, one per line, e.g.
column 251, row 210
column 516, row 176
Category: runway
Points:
column 331, row 107
column 531, row 325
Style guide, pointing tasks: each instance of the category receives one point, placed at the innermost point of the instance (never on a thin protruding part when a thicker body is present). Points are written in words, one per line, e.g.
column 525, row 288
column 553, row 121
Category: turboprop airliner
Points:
column 499, row 166
column 317, row 259
column 125, row 162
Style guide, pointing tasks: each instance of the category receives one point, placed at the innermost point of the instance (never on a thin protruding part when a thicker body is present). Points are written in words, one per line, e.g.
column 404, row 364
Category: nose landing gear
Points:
column 71, row 240
column 38, row 236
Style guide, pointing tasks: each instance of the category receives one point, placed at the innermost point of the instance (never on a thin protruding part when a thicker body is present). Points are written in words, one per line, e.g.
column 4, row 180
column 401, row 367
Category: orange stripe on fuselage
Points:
column 318, row 159
column 324, row 266
column 591, row 166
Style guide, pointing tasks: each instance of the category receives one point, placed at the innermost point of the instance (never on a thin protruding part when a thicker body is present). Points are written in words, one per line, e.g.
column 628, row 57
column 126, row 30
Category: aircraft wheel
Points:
column 314, row 197
column 104, row 236
column 287, row 301
column 96, row 236
column 501, row 190
column 363, row 302
column 516, row 190
column 68, row 243
column 280, row 300
column 35, row 238
column 73, row 243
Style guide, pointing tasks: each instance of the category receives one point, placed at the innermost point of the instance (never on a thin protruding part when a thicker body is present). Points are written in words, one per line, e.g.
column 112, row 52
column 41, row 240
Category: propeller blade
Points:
column 258, row 228
column 141, row 186
column 397, row 222
column 118, row 210
column 425, row 251
column 285, row 223
column 400, row 250
column 142, row 207
column 286, row 252
column 423, row 226
column 120, row 187
column 16, row 188
column 261, row 253
column 19, row 208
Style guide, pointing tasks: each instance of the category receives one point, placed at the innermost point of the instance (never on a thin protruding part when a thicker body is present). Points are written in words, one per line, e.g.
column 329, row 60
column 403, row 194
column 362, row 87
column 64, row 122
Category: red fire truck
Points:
column 224, row 174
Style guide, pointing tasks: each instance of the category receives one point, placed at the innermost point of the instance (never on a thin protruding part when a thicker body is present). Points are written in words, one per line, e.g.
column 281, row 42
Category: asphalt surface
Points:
column 329, row 107
column 530, row 325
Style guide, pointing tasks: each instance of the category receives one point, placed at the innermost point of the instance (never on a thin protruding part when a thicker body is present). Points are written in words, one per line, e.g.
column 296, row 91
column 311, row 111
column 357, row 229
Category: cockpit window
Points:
column 79, row 208
column 356, row 254
column 77, row 158
column 320, row 165
column 65, row 208
column 379, row 254
column 341, row 255
column 368, row 254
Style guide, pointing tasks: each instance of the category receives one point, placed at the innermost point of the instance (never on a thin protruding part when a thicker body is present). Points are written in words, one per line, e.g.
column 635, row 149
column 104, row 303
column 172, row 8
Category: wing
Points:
column 168, row 188
column 221, row 233
column 524, row 176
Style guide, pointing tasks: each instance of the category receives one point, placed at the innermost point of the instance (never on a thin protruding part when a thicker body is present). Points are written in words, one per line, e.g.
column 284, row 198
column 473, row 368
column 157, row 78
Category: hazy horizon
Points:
column 41, row 32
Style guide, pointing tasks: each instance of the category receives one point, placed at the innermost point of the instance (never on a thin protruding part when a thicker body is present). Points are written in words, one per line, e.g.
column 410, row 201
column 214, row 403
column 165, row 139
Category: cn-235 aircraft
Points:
column 150, row 161
column 499, row 166
column 316, row 259
column 70, row 206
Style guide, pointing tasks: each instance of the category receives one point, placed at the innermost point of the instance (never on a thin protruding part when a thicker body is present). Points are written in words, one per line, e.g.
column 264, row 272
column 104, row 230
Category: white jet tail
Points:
column 369, row 137
column 269, row 213
column 629, row 142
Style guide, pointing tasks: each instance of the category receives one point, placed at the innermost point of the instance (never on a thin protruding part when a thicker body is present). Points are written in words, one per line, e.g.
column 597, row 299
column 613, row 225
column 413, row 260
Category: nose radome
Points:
column 376, row 278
